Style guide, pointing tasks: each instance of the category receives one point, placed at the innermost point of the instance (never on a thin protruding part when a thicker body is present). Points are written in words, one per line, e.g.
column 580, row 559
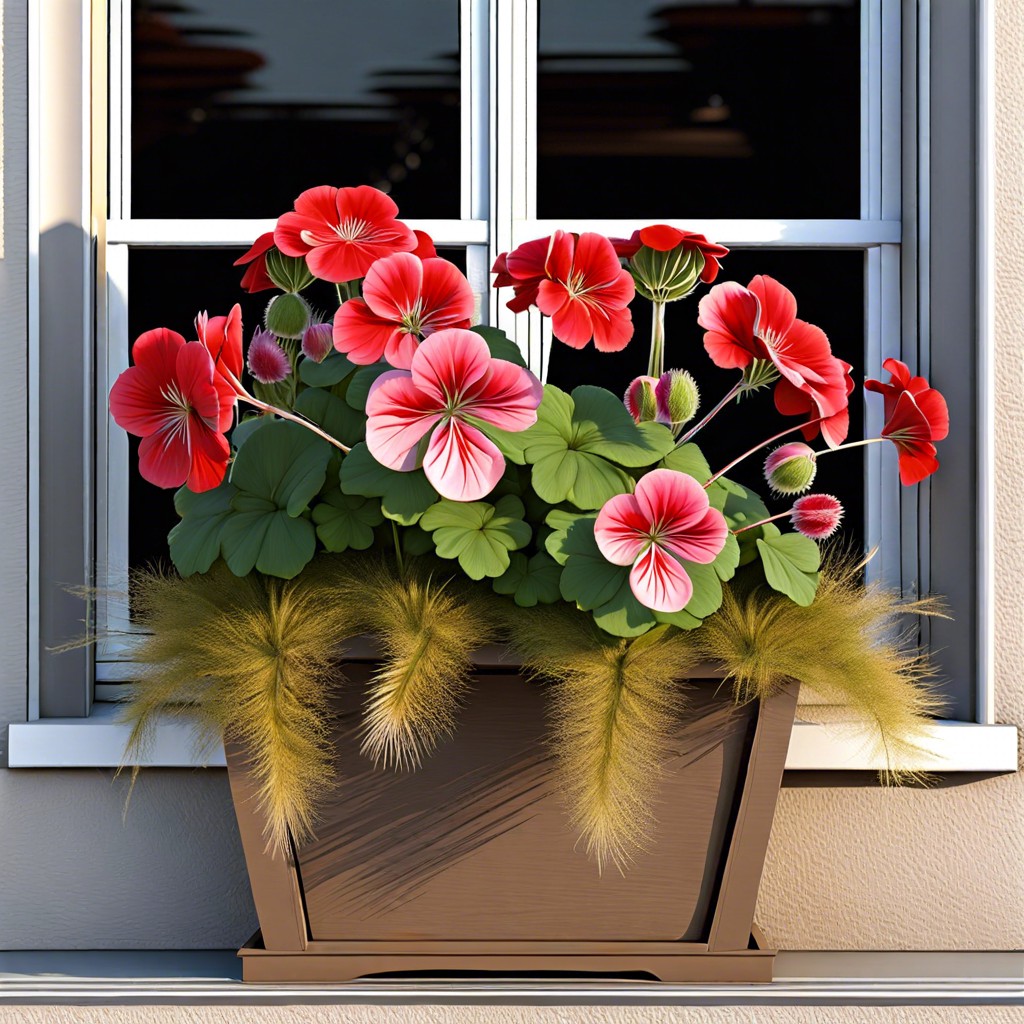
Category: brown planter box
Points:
column 468, row 865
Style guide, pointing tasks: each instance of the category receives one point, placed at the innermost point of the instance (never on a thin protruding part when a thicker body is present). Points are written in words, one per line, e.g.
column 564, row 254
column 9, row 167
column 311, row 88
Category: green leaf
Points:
column 742, row 506
column 416, row 542
column 333, row 370
column 404, row 496
column 360, row 383
column 282, row 463
column 728, row 559
column 277, row 473
column 791, row 563
column 244, row 430
column 688, row 459
column 561, row 522
column 579, row 444
column 500, row 344
column 195, row 541
column 334, row 415
column 478, row 534
column 594, row 584
column 346, row 521
column 531, row 581
column 269, row 540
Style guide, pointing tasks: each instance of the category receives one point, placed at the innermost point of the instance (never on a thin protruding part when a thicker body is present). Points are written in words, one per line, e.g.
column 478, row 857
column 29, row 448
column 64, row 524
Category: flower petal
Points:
column 778, row 306
column 360, row 334
column 661, row 237
column 659, row 582
column 398, row 416
column 461, row 462
column 449, row 363
column 446, row 294
column 728, row 313
column 393, row 285
column 612, row 331
column 210, row 453
column 621, row 529
column 164, row 458
column 507, row 396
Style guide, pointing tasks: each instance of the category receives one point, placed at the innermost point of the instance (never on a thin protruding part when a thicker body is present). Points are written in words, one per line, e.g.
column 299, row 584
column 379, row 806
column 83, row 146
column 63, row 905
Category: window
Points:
column 805, row 135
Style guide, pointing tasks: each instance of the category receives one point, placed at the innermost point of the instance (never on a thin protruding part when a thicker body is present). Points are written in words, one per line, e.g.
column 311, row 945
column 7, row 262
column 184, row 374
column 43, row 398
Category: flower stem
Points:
column 283, row 413
column 398, row 549
column 758, row 447
column 729, row 396
column 761, row 522
column 852, row 444
column 656, row 364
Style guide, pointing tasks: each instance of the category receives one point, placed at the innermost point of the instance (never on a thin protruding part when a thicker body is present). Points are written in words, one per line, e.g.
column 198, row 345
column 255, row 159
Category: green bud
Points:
column 289, row 273
column 288, row 315
column 678, row 397
column 666, row 276
column 791, row 468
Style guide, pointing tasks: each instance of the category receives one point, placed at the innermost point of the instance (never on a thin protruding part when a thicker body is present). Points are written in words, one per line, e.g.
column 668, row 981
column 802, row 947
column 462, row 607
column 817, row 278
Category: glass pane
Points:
column 238, row 107
column 203, row 279
column 719, row 109
column 829, row 289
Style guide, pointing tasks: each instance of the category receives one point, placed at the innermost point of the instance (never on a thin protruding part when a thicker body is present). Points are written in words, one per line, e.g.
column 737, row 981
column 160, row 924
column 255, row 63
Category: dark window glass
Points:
column 829, row 289
column 202, row 279
column 727, row 109
column 238, row 107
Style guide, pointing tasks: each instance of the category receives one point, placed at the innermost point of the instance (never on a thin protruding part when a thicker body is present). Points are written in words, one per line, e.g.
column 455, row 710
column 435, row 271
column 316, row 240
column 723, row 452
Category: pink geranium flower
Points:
column 341, row 231
column 668, row 519
column 760, row 322
column 171, row 400
column 426, row 414
column 404, row 299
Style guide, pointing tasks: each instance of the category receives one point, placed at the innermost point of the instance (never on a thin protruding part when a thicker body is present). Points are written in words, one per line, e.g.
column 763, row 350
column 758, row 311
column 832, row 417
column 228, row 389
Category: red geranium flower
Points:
column 222, row 336
column 759, row 322
column 928, row 400
column 170, row 399
column 341, row 231
column 255, row 278
column 424, row 246
column 426, row 414
column 578, row 282
column 916, row 415
column 404, row 299
column 663, row 238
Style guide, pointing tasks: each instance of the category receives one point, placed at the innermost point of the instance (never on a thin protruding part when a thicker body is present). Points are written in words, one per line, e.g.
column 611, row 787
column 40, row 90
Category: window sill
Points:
column 99, row 740
column 816, row 978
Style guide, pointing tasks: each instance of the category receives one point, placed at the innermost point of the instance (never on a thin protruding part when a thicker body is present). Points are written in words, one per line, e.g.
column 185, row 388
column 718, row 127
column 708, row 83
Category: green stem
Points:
column 343, row 291
column 730, row 394
column 656, row 364
column 758, row 447
column 761, row 522
column 398, row 549
column 851, row 444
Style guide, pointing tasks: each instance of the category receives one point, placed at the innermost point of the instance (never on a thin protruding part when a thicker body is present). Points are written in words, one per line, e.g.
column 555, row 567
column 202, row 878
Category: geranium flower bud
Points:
column 288, row 315
column 267, row 361
column 677, row 396
column 318, row 342
column 816, row 515
column 289, row 273
column 640, row 399
column 791, row 468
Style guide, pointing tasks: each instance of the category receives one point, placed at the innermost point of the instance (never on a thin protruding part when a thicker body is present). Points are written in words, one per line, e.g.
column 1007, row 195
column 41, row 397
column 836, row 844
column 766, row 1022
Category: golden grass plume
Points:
column 428, row 628
column 846, row 646
column 614, row 705
column 254, row 659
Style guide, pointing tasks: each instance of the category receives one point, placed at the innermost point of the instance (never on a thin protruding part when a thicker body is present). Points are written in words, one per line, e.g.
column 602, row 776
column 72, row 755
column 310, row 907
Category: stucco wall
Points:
column 847, row 868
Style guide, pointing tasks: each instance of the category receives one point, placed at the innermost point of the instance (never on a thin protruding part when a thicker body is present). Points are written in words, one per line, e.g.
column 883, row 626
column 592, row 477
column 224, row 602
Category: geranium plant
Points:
column 396, row 444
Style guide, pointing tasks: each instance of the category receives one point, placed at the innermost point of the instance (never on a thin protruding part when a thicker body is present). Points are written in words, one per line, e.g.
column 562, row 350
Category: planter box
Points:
column 468, row 865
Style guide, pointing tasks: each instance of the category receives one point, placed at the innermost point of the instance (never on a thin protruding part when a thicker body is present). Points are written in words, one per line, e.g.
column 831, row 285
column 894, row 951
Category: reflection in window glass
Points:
column 238, row 107
column 829, row 289
column 722, row 109
column 204, row 279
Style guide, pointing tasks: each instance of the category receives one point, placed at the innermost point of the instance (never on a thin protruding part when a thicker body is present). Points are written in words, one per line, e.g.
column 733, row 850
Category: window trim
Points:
column 42, row 740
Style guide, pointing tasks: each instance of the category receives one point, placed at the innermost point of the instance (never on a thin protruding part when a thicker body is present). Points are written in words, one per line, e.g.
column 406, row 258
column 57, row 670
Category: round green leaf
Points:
column 561, row 522
column 334, row 415
column 531, row 581
column 478, row 534
column 268, row 540
column 404, row 496
column 688, row 459
column 360, row 383
column 500, row 344
column 346, row 521
column 195, row 541
column 333, row 370
column 791, row 563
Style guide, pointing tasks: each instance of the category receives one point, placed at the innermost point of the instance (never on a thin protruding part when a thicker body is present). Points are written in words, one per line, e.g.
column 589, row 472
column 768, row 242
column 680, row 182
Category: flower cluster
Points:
column 395, row 422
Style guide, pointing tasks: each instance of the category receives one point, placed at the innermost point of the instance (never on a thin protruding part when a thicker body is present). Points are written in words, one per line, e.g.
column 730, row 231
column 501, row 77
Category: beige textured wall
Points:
column 940, row 869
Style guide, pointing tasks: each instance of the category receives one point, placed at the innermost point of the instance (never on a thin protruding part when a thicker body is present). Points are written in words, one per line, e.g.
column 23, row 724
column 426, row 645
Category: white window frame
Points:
column 499, row 166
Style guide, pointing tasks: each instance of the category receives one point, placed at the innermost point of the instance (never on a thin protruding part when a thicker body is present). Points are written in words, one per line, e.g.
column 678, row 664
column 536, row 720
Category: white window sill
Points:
column 817, row 978
column 99, row 740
